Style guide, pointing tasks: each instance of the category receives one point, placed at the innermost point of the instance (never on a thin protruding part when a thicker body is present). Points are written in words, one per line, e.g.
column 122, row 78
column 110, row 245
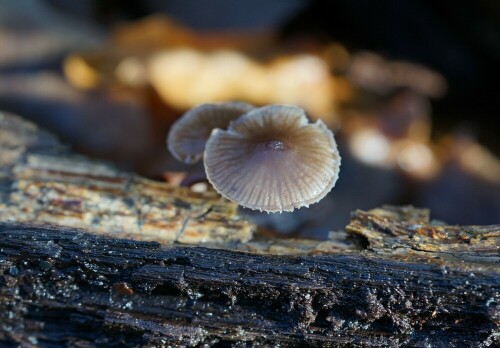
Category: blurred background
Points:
column 409, row 87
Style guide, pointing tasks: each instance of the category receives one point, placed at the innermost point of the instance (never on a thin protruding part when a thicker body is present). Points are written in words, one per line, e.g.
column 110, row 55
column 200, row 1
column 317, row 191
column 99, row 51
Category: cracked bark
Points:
column 101, row 278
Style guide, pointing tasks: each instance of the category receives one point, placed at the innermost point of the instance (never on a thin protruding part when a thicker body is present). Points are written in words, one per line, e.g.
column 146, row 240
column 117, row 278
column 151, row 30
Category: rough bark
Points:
column 392, row 278
column 66, row 287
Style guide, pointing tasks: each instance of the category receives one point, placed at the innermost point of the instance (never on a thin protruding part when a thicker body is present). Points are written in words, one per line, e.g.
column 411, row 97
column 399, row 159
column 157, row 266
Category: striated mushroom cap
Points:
column 187, row 137
column 272, row 159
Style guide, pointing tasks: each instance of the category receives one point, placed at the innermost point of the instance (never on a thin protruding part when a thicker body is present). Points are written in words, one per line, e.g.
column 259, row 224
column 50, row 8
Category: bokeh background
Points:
column 409, row 87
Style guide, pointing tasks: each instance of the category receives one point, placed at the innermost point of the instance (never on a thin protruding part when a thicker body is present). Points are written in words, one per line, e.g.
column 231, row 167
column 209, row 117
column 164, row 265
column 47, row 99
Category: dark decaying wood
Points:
column 392, row 278
column 61, row 286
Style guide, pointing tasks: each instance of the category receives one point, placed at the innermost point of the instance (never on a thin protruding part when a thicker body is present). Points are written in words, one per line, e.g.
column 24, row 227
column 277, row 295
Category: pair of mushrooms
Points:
column 269, row 159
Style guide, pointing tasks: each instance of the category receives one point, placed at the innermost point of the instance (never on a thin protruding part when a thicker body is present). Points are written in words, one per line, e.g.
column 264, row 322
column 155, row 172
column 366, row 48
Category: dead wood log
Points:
column 393, row 278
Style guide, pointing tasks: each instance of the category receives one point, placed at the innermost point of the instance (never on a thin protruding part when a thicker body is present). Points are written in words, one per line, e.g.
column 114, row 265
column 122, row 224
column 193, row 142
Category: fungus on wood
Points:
column 75, row 269
column 269, row 159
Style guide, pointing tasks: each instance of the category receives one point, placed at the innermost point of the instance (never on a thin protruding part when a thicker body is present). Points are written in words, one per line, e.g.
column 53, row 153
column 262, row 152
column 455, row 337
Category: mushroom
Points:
column 187, row 137
column 272, row 159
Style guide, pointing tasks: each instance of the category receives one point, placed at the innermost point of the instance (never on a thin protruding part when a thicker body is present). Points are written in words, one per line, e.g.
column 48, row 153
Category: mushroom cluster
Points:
column 269, row 158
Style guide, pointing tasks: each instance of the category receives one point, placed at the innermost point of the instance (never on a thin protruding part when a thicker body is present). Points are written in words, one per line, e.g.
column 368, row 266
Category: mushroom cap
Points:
column 272, row 159
column 188, row 135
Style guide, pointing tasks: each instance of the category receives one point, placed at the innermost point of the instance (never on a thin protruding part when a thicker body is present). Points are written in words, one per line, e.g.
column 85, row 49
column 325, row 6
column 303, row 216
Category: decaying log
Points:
column 63, row 286
column 392, row 278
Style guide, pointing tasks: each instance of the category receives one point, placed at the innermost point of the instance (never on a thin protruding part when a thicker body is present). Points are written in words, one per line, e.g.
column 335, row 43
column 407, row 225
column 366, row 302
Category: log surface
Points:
column 64, row 287
column 392, row 278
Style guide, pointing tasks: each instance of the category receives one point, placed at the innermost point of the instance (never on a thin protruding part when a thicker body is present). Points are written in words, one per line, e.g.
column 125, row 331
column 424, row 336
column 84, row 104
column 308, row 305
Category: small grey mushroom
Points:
column 187, row 137
column 272, row 159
